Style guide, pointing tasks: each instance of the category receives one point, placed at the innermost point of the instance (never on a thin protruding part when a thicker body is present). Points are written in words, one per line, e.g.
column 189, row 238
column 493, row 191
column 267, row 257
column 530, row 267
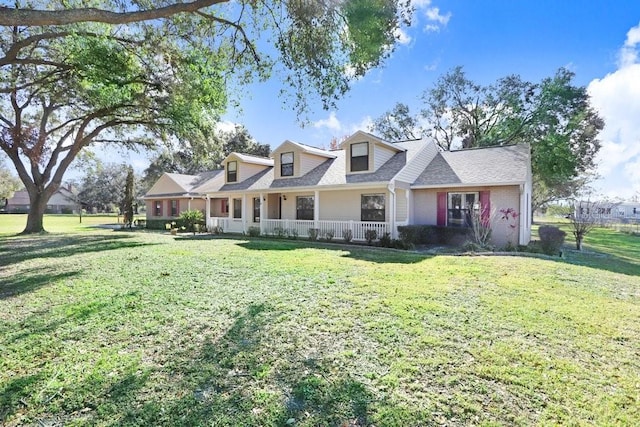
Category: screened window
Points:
column 360, row 157
column 157, row 208
column 232, row 171
column 372, row 207
column 256, row 209
column 174, row 208
column 286, row 164
column 224, row 206
column 460, row 207
column 304, row 207
column 237, row 208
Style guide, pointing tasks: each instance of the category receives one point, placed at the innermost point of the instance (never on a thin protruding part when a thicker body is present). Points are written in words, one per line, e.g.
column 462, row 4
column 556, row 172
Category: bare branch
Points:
column 30, row 17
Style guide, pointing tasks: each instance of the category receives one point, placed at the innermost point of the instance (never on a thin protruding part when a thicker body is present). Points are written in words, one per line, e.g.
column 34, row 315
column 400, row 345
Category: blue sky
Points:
column 598, row 40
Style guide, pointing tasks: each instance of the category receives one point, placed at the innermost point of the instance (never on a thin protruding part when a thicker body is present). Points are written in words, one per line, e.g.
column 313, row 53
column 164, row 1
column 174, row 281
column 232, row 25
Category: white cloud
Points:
column 332, row 123
column 421, row 4
column 433, row 14
column 365, row 125
column 629, row 52
column 616, row 97
column 402, row 36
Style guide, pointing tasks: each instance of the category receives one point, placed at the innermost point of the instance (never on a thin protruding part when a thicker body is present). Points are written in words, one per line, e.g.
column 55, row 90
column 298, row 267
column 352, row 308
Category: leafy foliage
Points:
column 101, row 188
column 191, row 219
column 554, row 117
column 8, row 183
column 165, row 75
column 551, row 239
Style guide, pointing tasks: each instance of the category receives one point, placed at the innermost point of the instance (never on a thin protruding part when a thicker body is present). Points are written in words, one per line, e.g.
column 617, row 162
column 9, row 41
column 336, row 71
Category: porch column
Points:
column 207, row 211
column 316, row 208
column 262, row 208
column 409, row 195
column 243, row 213
column 189, row 203
column 392, row 219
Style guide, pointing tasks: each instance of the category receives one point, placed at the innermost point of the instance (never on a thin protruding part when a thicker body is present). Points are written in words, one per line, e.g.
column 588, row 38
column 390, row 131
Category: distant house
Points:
column 609, row 211
column 368, row 183
column 62, row 201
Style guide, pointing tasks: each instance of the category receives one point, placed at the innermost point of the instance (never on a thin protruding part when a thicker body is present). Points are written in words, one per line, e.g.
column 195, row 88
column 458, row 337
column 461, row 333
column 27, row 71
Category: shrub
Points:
column 280, row 232
column 191, row 220
column 385, row 240
column 328, row 235
column 217, row 230
column 347, row 235
column 253, row 231
column 551, row 239
column 293, row 234
column 370, row 235
column 313, row 234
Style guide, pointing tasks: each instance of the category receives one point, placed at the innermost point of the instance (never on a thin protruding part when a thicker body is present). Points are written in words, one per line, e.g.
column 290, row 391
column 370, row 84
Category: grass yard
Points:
column 102, row 327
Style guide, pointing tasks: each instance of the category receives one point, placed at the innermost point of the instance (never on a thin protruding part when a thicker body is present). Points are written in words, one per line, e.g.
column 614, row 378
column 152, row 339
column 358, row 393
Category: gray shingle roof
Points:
column 481, row 166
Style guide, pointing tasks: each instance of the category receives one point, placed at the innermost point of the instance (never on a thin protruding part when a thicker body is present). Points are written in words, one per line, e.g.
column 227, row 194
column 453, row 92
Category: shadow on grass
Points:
column 364, row 253
column 60, row 246
column 232, row 380
column 31, row 281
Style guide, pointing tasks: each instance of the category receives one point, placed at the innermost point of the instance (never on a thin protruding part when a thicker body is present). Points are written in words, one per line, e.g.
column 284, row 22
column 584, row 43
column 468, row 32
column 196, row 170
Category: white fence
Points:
column 289, row 227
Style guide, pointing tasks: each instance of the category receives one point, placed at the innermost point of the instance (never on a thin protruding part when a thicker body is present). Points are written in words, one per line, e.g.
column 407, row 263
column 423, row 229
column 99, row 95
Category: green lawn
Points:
column 115, row 328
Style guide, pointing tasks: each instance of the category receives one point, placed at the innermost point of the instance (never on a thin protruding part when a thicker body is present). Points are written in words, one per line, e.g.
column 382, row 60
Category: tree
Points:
column 9, row 184
column 585, row 217
column 193, row 159
column 72, row 77
column 554, row 117
column 127, row 201
column 101, row 187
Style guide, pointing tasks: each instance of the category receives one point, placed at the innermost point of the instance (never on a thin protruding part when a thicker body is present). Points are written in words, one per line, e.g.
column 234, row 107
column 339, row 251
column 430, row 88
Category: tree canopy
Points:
column 9, row 184
column 193, row 159
column 133, row 74
column 554, row 117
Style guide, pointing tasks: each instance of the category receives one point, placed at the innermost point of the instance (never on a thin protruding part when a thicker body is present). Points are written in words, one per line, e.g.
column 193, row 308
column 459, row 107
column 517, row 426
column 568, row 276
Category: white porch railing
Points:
column 288, row 227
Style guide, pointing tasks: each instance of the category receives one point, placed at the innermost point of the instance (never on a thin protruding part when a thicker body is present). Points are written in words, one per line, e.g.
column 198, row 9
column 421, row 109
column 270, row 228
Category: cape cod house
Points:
column 368, row 183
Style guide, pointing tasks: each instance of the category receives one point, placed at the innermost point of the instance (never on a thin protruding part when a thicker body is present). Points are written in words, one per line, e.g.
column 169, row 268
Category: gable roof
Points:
column 187, row 185
column 479, row 166
column 248, row 158
column 366, row 135
column 308, row 149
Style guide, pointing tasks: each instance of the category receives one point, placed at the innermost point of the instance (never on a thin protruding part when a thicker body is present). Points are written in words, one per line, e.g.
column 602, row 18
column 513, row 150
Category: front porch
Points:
column 333, row 214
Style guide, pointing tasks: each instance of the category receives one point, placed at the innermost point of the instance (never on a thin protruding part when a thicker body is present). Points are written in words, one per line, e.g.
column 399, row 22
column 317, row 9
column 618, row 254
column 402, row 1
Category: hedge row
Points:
column 433, row 235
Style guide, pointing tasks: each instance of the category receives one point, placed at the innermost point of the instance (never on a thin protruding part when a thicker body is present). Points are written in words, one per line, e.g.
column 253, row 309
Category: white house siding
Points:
column 345, row 205
column 380, row 155
column 308, row 162
column 503, row 197
column 247, row 170
column 401, row 205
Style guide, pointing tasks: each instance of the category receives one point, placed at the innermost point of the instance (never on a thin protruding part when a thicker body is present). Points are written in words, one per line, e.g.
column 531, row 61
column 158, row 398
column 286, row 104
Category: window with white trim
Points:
column 286, row 164
column 460, row 206
column 237, row 208
column 372, row 207
column 304, row 207
column 232, row 171
column 360, row 157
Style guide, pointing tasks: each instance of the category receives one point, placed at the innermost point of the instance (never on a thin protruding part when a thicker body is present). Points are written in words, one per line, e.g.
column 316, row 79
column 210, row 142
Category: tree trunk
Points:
column 579, row 243
column 37, row 206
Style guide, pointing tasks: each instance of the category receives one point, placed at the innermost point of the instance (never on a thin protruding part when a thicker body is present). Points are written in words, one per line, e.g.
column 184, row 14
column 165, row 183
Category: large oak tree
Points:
column 554, row 117
column 132, row 73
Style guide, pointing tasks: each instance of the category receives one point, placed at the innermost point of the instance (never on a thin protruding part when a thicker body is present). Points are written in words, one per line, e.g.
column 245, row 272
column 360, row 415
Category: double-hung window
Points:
column 157, row 208
column 237, row 208
column 304, row 207
column 174, row 208
column 460, row 208
column 286, row 164
column 359, row 157
column 372, row 207
column 256, row 209
column 232, row 171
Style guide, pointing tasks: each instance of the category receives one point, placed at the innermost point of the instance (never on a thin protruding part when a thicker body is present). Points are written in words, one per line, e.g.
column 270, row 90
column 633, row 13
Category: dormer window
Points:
column 232, row 171
column 286, row 164
column 359, row 157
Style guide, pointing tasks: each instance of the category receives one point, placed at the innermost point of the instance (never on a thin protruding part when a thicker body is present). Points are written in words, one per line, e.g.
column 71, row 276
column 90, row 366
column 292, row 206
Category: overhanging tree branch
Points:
column 32, row 17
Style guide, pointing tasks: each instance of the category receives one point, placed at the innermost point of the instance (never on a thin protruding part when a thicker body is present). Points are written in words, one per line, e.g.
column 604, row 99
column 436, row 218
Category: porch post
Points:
column 409, row 195
column 243, row 213
column 207, row 210
column 262, row 207
column 316, row 208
